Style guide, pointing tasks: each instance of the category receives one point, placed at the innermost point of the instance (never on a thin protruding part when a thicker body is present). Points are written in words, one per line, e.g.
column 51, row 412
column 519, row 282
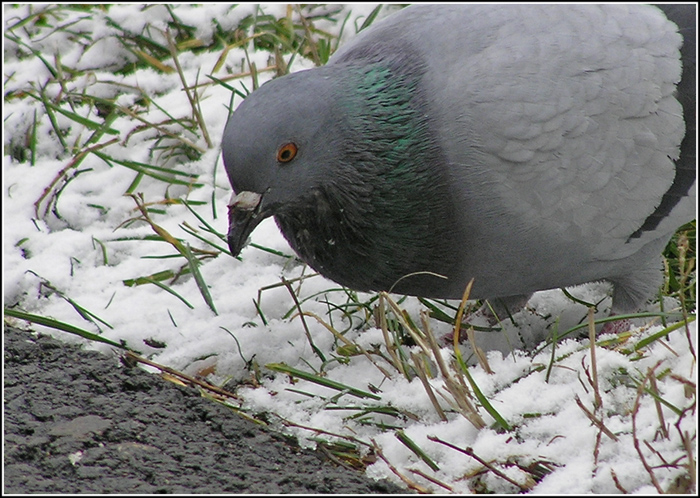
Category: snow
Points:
column 50, row 258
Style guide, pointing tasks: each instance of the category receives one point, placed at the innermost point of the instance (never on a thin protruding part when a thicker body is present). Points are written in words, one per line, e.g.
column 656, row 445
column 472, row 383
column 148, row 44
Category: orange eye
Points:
column 287, row 152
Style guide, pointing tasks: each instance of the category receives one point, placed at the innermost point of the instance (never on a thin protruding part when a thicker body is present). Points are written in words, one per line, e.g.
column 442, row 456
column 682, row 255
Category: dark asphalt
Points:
column 78, row 421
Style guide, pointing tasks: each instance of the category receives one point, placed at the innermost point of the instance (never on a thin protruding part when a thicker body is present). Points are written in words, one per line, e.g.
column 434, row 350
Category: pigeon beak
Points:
column 244, row 214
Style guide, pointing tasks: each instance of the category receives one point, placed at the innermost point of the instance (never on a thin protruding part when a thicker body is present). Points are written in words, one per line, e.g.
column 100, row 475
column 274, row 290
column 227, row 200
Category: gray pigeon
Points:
column 528, row 147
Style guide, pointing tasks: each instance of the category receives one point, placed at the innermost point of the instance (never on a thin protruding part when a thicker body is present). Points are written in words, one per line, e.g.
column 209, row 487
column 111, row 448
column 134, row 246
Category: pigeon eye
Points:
column 287, row 152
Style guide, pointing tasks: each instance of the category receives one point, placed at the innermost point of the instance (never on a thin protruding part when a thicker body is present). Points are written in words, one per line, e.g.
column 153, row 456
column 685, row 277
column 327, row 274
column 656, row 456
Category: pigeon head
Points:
column 270, row 151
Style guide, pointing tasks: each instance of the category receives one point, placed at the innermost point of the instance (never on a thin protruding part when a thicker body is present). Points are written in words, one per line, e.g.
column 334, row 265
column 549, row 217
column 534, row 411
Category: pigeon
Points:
column 526, row 147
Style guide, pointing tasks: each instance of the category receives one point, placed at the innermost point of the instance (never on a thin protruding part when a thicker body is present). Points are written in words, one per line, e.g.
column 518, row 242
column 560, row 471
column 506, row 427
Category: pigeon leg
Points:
column 633, row 289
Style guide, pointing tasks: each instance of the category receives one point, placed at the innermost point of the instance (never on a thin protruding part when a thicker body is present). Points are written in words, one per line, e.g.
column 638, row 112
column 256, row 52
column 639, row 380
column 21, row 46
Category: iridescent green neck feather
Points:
column 384, row 213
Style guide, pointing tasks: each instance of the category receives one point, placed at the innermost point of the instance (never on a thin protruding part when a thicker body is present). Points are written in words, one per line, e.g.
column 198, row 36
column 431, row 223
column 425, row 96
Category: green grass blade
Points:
column 65, row 327
column 155, row 277
column 194, row 267
column 281, row 367
column 169, row 290
column 480, row 396
column 152, row 171
column 662, row 333
column 411, row 445
column 92, row 125
column 370, row 18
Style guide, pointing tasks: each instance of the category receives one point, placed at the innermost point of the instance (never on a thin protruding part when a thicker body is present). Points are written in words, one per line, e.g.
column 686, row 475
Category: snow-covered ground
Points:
column 77, row 248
